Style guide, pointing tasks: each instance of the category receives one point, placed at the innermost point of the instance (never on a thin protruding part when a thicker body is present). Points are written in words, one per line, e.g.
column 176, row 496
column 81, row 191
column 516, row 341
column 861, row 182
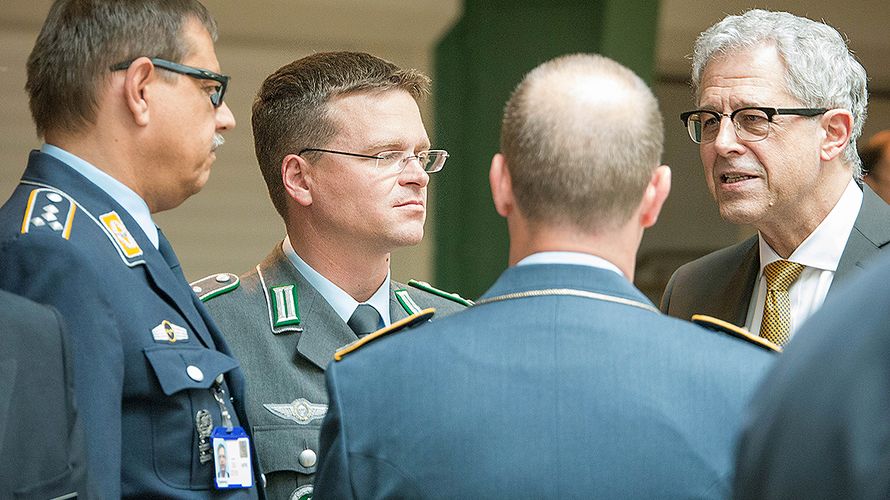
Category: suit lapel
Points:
column 732, row 305
column 870, row 233
column 323, row 330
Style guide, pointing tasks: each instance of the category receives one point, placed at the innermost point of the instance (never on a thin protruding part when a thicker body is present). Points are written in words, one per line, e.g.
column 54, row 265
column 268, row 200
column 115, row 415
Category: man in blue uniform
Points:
column 41, row 437
column 128, row 99
column 563, row 381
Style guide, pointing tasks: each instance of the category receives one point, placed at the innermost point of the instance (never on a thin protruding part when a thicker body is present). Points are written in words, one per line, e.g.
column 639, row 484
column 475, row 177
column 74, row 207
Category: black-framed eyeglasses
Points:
column 751, row 123
column 197, row 73
column 431, row 161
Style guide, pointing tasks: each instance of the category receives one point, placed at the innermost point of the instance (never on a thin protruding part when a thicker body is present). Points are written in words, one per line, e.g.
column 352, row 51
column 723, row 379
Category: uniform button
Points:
column 222, row 278
column 308, row 458
column 196, row 289
column 219, row 379
column 194, row 373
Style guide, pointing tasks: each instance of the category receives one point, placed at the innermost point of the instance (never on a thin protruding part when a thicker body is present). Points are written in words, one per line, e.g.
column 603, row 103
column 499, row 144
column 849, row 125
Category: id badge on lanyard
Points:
column 232, row 467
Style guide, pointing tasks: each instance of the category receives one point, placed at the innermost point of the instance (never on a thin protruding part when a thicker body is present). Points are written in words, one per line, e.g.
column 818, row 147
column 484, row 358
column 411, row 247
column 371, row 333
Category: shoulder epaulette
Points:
column 426, row 287
column 215, row 285
column 402, row 324
column 49, row 210
column 718, row 325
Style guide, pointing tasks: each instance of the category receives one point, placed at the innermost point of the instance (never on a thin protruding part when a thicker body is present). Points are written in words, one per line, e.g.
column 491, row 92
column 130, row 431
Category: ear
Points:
column 655, row 195
column 838, row 125
column 501, row 186
column 293, row 175
column 137, row 78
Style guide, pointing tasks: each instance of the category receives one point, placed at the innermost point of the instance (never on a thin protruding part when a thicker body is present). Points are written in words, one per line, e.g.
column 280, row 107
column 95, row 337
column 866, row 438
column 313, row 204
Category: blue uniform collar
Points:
column 124, row 196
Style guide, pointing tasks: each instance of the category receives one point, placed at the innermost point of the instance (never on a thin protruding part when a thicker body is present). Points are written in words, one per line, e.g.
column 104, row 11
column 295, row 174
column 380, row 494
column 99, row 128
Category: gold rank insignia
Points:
column 402, row 324
column 718, row 325
column 125, row 241
column 49, row 209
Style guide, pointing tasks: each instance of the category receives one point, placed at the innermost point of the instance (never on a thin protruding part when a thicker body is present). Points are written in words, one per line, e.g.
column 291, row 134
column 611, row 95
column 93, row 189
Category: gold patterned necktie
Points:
column 776, row 323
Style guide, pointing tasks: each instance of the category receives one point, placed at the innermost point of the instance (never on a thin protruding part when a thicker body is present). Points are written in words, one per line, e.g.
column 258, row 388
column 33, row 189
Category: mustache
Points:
column 218, row 140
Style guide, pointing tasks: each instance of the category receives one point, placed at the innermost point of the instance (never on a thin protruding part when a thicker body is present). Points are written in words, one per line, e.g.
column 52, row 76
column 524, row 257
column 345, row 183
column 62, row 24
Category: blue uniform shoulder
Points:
column 401, row 325
column 725, row 328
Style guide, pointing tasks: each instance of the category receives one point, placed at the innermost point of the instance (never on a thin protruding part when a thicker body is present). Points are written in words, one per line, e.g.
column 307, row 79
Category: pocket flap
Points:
column 180, row 368
column 279, row 448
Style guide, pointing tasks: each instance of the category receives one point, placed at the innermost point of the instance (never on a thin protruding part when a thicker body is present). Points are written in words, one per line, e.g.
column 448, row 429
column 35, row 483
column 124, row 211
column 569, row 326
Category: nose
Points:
column 225, row 120
column 727, row 142
column 414, row 174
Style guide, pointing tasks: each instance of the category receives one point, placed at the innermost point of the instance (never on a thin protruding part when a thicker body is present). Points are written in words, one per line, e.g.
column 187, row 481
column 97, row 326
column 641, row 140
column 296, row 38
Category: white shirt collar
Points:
column 576, row 258
column 124, row 196
column 343, row 303
column 822, row 249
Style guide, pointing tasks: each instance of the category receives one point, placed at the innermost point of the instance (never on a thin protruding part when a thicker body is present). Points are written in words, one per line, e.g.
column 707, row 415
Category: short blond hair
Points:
column 581, row 135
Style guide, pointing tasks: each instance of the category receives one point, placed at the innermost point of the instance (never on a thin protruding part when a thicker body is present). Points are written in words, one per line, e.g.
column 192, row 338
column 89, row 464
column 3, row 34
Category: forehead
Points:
column 378, row 118
column 746, row 77
column 200, row 46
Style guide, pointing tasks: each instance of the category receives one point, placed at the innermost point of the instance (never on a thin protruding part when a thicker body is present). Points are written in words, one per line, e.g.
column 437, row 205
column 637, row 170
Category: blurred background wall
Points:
column 476, row 51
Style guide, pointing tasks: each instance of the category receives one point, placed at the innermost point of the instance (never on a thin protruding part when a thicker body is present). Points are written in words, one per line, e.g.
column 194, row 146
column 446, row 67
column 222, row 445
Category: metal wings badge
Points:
column 301, row 410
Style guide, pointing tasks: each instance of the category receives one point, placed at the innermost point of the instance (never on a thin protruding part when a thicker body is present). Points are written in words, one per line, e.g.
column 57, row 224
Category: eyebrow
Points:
column 395, row 145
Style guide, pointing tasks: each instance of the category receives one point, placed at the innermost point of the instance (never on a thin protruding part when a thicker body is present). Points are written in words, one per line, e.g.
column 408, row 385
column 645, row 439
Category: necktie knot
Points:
column 364, row 320
column 781, row 274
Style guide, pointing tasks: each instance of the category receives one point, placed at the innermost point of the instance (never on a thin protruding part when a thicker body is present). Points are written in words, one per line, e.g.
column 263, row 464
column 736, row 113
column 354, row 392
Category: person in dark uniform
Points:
column 819, row 428
column 347, row 161
column 563, row 381
column 41, row 436
column 129, row 101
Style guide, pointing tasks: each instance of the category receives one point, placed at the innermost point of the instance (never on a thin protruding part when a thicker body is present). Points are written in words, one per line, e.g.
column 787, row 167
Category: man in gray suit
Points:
column 781, row 102
column 563, row 381
column 346, row 158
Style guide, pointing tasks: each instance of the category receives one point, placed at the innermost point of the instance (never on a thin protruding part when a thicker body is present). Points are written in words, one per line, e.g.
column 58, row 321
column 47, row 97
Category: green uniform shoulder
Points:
column 426, row 287
column 401, row 325
column 215, row 285
column 718, row 325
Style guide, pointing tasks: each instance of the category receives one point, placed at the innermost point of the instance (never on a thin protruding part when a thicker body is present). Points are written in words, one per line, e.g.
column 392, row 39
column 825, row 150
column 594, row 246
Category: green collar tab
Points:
column 407, row 302
column 285, row 307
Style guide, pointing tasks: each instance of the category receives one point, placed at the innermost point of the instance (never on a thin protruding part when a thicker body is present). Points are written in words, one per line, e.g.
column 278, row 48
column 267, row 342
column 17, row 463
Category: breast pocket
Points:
column 288, row 455
column 185, row 375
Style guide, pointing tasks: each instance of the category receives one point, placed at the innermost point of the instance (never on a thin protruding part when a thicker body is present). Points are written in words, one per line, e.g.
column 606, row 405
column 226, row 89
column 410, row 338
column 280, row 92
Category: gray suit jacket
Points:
column 284, row 364
column 720, row 283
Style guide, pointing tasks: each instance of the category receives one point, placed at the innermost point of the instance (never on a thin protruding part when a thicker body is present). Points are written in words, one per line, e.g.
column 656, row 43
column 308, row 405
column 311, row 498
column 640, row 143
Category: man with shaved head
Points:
column 563, row 381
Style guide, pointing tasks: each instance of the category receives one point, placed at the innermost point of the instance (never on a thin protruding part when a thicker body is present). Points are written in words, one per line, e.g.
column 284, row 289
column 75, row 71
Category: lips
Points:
column 410, row 203
column 734, row 177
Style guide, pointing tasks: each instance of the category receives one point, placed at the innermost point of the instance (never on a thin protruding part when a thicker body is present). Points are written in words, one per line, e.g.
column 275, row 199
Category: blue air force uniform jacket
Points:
column 146, row 352
column 41, row 438
column 552, row 396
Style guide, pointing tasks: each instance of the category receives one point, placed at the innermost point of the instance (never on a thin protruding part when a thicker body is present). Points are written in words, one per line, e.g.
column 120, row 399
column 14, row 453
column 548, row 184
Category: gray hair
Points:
column 581, row 136
column 821, row 71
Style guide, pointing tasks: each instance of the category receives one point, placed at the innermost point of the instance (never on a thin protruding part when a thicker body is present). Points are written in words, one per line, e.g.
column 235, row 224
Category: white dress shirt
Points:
column 124, row 196
column 820, row 253
column 343, row 303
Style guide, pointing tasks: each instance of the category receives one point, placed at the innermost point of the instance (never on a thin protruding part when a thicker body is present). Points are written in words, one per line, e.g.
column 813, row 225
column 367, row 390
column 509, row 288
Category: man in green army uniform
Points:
column 346, row 158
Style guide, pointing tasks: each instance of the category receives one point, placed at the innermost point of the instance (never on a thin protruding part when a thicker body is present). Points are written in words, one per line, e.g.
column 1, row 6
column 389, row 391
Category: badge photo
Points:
column 231, row 458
